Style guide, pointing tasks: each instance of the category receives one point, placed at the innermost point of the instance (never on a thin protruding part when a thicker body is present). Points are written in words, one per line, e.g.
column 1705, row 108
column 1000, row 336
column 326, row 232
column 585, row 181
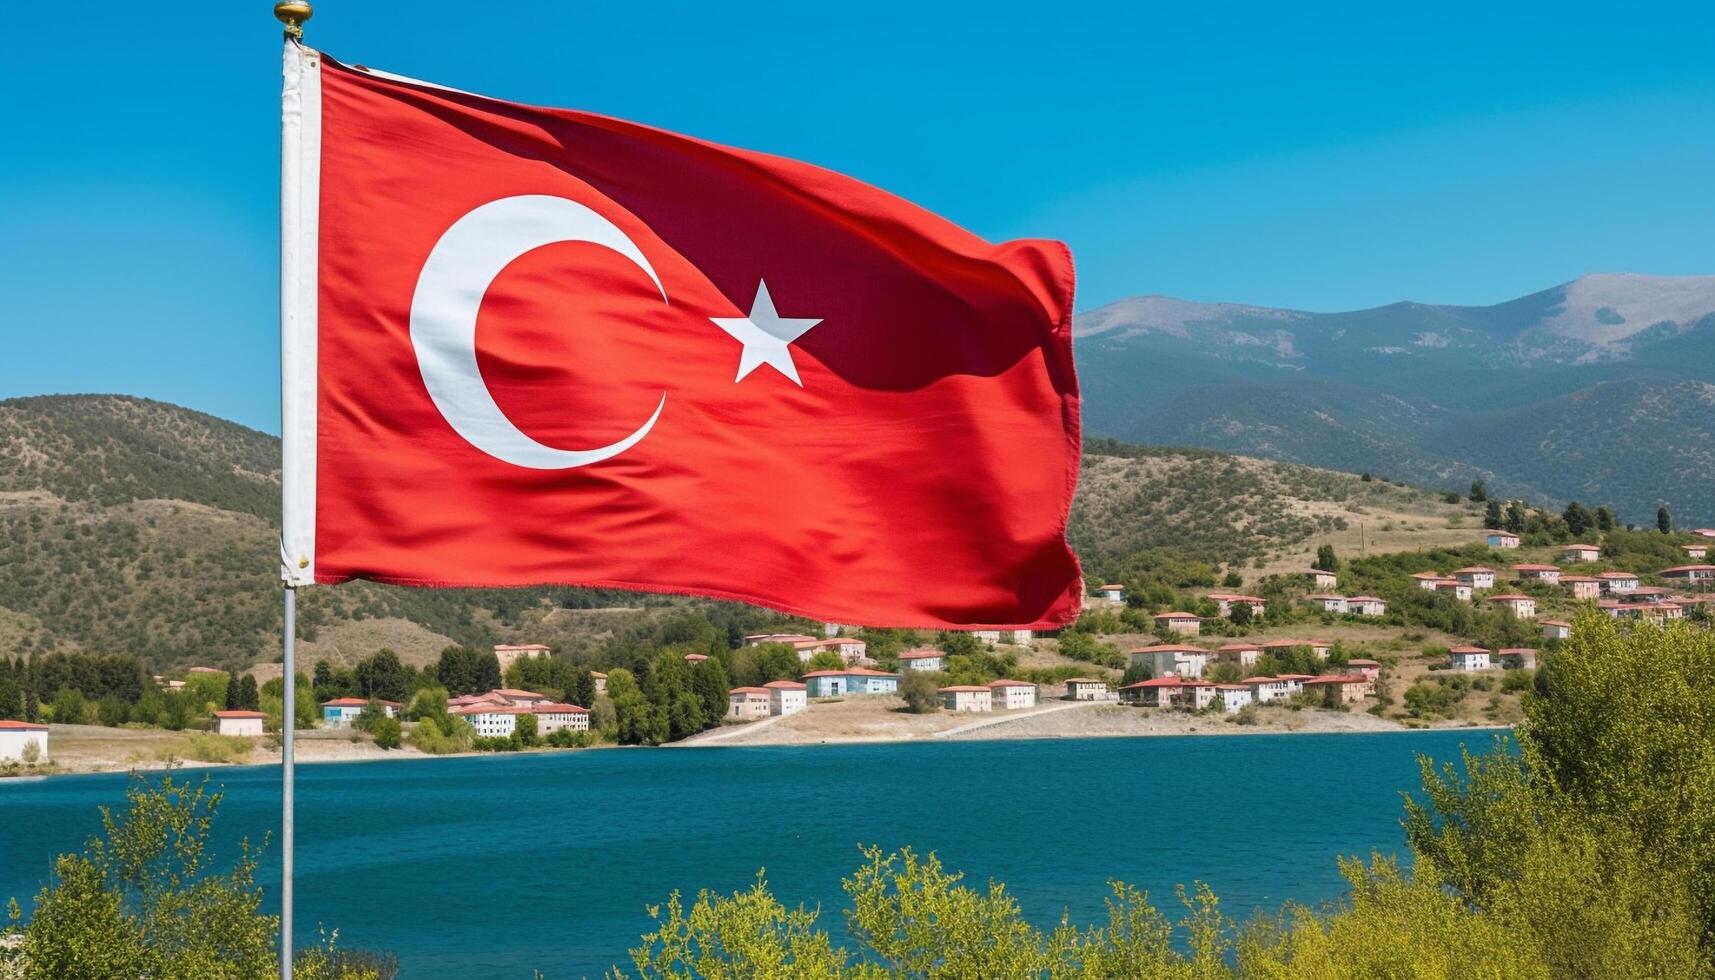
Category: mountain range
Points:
column 1600, row 390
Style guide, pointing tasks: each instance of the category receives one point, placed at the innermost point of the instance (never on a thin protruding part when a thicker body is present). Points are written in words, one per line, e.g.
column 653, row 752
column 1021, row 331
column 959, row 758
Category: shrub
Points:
column 209, row 747
column 386, row 732
column 920, row 694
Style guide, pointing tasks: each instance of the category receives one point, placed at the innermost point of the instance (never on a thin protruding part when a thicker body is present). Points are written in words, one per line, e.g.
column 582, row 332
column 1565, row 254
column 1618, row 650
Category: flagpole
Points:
column 293, row 15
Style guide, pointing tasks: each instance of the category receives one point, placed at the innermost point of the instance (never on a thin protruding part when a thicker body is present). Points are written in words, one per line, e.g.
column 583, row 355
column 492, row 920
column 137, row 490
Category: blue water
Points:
column 496, row 866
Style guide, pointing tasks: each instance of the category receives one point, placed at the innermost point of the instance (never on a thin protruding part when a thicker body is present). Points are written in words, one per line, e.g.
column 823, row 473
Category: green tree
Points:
column 1240, row 613
column 1663, row 520
column 249, row 698
column 381, row 675
column 1605, row 519
column 526, row 729
column 581, row 691
column 1578, row 519
column 386, row 732
column 1325, row 559
column 1493, row 519
column 1479, row 491
column 1516, row 516
column 920, row 693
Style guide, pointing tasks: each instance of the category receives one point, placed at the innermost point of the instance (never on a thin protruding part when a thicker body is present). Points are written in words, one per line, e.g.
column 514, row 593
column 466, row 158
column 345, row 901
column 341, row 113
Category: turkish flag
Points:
column 531, row 346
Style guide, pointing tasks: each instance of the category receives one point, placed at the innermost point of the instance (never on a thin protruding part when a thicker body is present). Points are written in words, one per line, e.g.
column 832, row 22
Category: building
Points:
column 245, row 723
column 1503, row 539
column 1366, row 605
column 852, row 680
column 16, row 736
column 1455, row 588
column 1012, row 695
column 1180, row 659
column 1180, row 622
column 1556, row 629
column 1243, row 654
column 787, row 697
column 1476, row 576
column 1516, row 658
column 1329, row 603
column 1521, row 606
column 1647, row 593
column 600, row 682
column 1322, row 578
column 1580, row 552
column 555, row 715
column 1369, row 670
column 1266, row 689
column 1696, row 550
column 1538, row 573
column 491, row 720
column 849, row 649
column 1233, row 697
column 1319, row 648
column 510, row 653
column 341, row 712
column 1112, row 592
column 1225, row 601
column 1615, row 583
column 696, row 658
column 1014, row 637
column 1654, row 612
column 1468, row 658
column 524, row 699
column 748, row 703
column 758, row 639
column 1690, row 574
column 966, row 697
column 1338, row 689
column 1157, row 692
column 1705, row 532
column 1427, row 581
column 924, row 660
column 1582, row 586
column 1086, row 689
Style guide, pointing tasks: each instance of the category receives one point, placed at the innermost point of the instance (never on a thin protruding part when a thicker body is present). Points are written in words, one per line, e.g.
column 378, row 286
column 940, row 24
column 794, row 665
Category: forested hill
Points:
column 134, row 526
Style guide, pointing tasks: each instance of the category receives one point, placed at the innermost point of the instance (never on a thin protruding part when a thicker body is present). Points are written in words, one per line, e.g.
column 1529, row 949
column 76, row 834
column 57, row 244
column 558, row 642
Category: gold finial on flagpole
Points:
column 293, row 13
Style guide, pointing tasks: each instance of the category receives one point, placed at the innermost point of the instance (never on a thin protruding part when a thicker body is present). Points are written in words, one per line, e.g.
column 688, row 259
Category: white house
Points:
column 1112, row 592
column 1266, row 689
column 1321, row 578
column 246, row 723
column 1614, row 583
column 15, row 736
column 849, row 648
column 1171, row 658
column 965, row 697
column 1320, row 648
column 1580, row 552
column 1455, row 588
column 1329, row 603
column 1538, row 573
column 553, row 716
column 1012, row 695
column 1503, row 539
column 748, row 703
column 1468, row 658
column 1476, row 576
column 491, row 720
column 758, row 639
column 1696, row 550
column 1428, row 580
column 1705, row 532
column 1690, row 574
column 600, row 681
column 786, row 697
column 1366, row 605
column 1225, row 601
column 1521, row 606
column 1086, row 689
column 341, row 712
column 1243, row 654
column 1014, row 637
column 1233, row 697
column 1556, row 629
column 1180, row 622
column 1582, row 586
column 925, row 660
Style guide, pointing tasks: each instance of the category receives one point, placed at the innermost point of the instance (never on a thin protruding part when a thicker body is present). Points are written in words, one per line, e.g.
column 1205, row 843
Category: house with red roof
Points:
column 500, row 719
column 1012, row 695
column 1368, row 669
column 967, row 697
column 1339, row 689
column 1157, row 692
column 1180, row 622
column 1428, row 580
column 1705, row 532
column 1113, row 592
column 1233, row 697
column 1225, row 601
column 1455, row 588
column 1615, row 583
column 758, row 639
column 1319, row 648
column 1582, row 586
column 1243, row 654
column 1556, row 629
column 1516, row 658
column 1329, row 602
column 1322, row 578
column 1015, row 638
column 341, row 712
column 1476, row 576
column 1367, row 605
column 1580, row 552
column 1653, row 612
column 1266, row 689
column 247, row 724
column 1503, row 539
column 923, row 659
column 748, row 703
column 1690, row 574
column 786, row 697
column 696, row 658
column 551, row 716
column 1695, row 550
column 1538, row 573
column 1469, row 658
column 1520, row 605
column 16, row 735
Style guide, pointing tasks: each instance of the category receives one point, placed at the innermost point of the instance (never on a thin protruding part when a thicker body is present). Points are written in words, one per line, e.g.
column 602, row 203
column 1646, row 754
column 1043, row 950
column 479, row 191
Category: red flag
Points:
column 534, row 346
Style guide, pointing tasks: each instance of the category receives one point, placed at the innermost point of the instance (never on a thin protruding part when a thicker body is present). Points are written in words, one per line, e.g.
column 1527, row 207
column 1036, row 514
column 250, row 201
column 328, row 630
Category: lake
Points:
column 496, row 866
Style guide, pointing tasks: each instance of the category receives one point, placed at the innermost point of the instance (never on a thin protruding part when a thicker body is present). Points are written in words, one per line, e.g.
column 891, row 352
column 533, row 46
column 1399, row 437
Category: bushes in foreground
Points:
column 1587, row 853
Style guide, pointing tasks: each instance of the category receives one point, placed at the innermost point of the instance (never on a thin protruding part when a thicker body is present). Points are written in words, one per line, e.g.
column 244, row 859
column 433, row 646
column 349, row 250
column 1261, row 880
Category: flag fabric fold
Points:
column 531, row 346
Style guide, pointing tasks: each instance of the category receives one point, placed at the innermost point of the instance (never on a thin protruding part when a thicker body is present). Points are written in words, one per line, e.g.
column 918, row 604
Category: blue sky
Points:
column 1316, row 156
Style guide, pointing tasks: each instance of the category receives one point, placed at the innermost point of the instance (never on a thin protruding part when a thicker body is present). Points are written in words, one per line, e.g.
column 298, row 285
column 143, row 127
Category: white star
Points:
column 765, row 335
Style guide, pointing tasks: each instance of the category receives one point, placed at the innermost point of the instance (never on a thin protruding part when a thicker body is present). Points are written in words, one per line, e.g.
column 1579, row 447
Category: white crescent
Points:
column 456, row 276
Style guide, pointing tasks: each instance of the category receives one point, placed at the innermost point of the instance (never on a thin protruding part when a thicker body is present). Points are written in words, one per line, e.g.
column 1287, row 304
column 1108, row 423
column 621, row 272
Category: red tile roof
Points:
column 1360, row 662
column 922, row 655
column 1176, row 615
column 748, row 690
column 1469, row 649
column 1536, row 568
column 519, row 646
column 1510, row 597
column 784, row 686
column 1681, row 569
column 962, row 688
column 555, row 708
column 1473, row 569
column 345, row 703
column 8, row 725
column 238, row 714
column 1170, row 648
column 1009, row 683
column 849, row 672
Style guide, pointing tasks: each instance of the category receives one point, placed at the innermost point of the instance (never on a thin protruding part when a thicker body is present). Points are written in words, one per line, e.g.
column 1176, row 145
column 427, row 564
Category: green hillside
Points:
column 135, row 526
